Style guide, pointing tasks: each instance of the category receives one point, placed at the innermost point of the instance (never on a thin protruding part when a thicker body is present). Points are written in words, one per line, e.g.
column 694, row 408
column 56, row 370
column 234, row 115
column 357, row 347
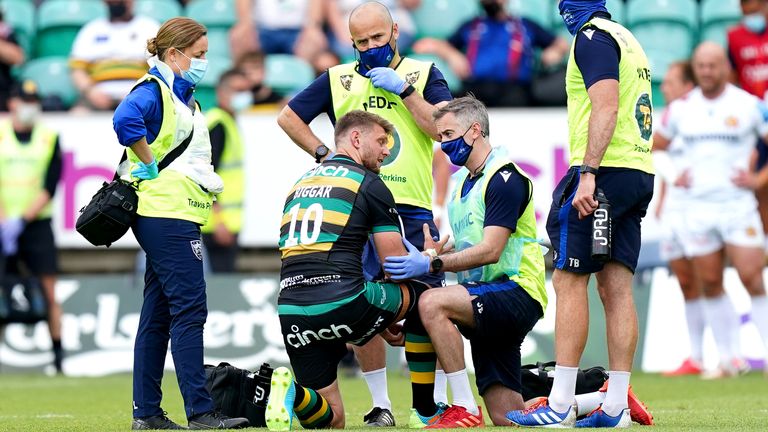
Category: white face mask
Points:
column 241, row 101
column 27, row 113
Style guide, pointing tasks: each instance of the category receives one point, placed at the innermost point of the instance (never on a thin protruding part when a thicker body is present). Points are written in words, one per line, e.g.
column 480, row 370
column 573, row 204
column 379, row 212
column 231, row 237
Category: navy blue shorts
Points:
column 762, row 153
column 415, row 234
column 504, row 313
column 628, row 190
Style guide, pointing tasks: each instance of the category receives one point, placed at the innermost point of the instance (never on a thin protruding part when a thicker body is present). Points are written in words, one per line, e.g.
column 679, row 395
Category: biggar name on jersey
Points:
column 327, row 171
column 313, row 192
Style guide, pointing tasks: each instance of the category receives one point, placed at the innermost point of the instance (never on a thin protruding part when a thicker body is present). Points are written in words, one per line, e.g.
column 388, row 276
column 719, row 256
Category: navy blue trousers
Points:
column 174, row 309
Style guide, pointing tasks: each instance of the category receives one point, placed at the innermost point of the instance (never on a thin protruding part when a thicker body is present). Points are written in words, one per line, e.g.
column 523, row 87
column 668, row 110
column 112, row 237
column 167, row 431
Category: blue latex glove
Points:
column 146, row 171
column 410, row 266
column 387, row 79
column 10, row 231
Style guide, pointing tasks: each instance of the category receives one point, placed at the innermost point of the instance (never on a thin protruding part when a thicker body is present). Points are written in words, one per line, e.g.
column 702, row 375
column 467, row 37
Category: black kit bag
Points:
column 22, row 300
column 112, row 210
column 537, row 379
column 239, row 392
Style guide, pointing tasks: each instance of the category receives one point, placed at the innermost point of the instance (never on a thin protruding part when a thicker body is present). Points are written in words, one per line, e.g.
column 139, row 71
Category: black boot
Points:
column 216, row 420
column 154, row 422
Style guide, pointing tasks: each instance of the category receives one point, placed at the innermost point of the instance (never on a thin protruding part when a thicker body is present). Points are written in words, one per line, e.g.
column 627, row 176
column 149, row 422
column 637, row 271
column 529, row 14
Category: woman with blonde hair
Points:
column 169, row 153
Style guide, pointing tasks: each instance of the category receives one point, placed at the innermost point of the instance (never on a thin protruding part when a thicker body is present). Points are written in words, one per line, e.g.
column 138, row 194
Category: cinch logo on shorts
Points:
column 302, row 338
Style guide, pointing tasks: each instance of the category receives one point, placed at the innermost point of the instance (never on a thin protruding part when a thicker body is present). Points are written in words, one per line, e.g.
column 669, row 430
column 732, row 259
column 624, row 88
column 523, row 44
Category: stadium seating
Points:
column 160, row 10
column 454, row 83
column 52, row 77
column 20, row 14
column 58, row 22
column 657, row 22
column 287, row 74
column 214, row 14
column 716, row 17
column 440, row 18
column 205, row 91
column 218, row 42
column 538, row 11
column 659, row 62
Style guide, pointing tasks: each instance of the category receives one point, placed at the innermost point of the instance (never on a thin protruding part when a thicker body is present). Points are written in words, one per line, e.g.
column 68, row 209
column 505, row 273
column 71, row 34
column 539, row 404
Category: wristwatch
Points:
column 407, row 91
column 437, row 265
column 320, row 152
column 586, row 169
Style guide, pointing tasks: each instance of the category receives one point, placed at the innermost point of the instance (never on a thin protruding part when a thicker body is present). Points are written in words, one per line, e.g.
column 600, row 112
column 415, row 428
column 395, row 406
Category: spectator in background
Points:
column 233, row 95
column 673, row 194
column 748, row 52
column 495, row 54
column 109, row 55
column 252, row 66
column 282, row 27
column 30, row 169
column 337, row 17
column 11, row 55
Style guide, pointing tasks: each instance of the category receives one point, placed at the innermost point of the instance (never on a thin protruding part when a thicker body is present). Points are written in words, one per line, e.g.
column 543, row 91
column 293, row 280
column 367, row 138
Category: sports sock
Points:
column 58, row 354
column 561, row 396
column 760, row 316
column 377, row 385
column 616, row 396
column 462, row 392
column 441, row 387
column 312, row 410
column 588, row 402
column 694, row 316
column 421, row 358
column 722, row 319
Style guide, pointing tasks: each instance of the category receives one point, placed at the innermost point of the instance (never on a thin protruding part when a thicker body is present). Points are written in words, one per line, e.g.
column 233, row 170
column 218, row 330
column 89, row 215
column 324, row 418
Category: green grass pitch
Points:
column 40, row 403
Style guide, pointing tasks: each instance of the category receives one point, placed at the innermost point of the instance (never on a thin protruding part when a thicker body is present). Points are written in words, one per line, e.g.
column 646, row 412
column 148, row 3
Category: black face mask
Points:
column 491, row 9
column 117, row 10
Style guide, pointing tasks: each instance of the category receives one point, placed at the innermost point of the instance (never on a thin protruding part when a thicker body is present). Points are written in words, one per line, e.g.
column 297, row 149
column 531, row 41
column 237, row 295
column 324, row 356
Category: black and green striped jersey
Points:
column 327, row 218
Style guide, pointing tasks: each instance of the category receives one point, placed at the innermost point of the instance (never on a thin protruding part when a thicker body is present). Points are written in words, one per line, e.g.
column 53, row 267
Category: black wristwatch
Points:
column 320, row 152
column 586, row 169
column 407, row 92
column 437, row 265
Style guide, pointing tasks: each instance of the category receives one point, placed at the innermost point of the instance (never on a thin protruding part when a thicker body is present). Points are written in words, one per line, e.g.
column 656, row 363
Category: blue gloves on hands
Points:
column 410, row 266
column 146, row 171
column 10, row 230
column 387, row 79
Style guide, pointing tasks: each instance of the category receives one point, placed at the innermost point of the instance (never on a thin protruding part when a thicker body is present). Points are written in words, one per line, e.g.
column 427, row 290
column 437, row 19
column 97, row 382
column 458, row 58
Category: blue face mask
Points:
column 379, row 56
column 576, row 13
column 196, row 71
column 754, row 22
column 241, row 101
column 457, row 149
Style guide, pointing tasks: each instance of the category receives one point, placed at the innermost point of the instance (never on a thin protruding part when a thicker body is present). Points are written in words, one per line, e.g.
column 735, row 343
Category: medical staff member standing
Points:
column 158, row 116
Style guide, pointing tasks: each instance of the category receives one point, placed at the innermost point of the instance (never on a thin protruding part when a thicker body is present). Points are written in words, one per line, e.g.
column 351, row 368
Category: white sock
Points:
column 462, row 392
column 694, row 316
column 561, row 397
column 760, row 316
column 441, row 387
column 377, row 386
column 723, row 322
column 588, row 402
column 616, row 396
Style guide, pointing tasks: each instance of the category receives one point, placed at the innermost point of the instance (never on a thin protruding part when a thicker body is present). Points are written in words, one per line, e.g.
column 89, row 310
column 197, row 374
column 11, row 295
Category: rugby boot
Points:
column 161, row 422
column 599, row 419
column 282, row 393
column 458, row 417
column 379, row 417
column 217, row 420
column 418, row 421
column 541, row 414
